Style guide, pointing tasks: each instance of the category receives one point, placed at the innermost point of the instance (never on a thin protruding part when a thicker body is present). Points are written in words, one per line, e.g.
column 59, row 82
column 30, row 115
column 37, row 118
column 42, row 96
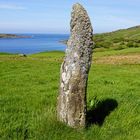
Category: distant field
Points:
column 29, row 89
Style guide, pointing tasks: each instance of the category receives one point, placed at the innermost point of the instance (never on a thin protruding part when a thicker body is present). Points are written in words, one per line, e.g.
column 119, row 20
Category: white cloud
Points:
column 11, row 7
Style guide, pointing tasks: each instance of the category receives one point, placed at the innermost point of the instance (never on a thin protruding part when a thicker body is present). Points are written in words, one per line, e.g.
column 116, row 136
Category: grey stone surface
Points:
column 71, row 107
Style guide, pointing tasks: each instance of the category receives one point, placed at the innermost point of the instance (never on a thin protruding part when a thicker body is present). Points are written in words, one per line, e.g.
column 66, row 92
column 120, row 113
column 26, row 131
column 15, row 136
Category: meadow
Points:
column 29, row 89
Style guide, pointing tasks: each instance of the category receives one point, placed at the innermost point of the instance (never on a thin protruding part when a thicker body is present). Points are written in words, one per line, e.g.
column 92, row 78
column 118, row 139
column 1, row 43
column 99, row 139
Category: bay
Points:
column 36, row 43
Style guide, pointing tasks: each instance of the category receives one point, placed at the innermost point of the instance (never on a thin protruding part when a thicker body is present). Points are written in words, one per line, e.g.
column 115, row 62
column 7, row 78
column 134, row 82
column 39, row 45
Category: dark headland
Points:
column 13, row 36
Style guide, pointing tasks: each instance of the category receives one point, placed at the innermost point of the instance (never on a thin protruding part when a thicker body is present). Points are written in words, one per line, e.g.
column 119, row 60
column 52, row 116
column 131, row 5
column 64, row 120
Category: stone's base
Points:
column 74, row 70
column 72, row 102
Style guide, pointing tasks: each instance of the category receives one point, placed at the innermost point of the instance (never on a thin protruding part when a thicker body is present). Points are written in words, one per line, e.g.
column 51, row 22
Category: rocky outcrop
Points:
column 74, row 70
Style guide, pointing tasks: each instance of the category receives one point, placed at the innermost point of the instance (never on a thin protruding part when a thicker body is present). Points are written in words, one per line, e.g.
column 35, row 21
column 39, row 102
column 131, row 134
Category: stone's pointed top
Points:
column 78, row 6
column 80, row 22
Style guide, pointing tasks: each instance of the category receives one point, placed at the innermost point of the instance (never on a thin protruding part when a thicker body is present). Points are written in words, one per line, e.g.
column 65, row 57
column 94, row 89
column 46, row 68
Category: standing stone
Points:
column 71, row 107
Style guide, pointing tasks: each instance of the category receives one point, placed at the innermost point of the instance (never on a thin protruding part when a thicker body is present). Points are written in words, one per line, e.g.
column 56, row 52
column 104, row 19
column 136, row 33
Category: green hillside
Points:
column 120, row 39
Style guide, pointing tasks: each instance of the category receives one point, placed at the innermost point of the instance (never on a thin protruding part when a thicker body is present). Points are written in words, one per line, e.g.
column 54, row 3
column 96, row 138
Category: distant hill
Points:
column 120, row 39
column 7, row 36
column 12, row 36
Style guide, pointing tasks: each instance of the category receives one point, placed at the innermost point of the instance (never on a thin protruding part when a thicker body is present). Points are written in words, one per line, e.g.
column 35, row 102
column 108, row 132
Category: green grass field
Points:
column 29, row 89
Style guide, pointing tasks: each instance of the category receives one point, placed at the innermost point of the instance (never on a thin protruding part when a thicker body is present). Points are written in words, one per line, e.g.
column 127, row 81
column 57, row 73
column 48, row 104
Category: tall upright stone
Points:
column 71, row 107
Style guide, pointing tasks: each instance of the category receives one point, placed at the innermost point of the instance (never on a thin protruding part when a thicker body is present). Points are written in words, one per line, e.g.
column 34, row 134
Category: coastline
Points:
column 13, row 36
column 42, row 52
column 63, row 42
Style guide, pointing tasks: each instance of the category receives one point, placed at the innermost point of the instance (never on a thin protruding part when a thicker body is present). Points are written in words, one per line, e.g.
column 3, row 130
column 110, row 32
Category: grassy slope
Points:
column 118, row 40
column 28, row 97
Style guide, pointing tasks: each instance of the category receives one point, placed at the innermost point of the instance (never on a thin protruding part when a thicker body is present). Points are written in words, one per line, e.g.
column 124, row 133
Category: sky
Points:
column 53, row 16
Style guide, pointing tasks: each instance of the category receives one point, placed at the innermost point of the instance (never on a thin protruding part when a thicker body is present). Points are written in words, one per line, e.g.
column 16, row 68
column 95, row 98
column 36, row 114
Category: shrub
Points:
column 117, row 40
column 130, row 44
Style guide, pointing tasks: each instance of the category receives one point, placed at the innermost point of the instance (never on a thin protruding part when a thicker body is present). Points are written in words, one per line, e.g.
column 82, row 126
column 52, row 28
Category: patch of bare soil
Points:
column 119, row 59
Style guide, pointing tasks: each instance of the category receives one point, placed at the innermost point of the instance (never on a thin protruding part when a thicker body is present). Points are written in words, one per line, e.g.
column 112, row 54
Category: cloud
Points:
column 11, row 7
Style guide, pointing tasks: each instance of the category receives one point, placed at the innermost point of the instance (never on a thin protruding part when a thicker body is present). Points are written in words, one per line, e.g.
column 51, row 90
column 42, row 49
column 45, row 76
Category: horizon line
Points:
column 67, row 33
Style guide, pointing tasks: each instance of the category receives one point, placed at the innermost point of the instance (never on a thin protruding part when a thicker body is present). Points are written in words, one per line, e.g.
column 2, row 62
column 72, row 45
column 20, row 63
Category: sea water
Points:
column 34, row 43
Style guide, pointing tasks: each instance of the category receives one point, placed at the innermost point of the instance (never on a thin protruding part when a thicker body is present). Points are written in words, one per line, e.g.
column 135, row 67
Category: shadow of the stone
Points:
column 98, row 114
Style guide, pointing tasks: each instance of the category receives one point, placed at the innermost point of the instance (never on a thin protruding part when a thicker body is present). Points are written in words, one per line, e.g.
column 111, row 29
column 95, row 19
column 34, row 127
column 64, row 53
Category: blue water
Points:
column 37, row 43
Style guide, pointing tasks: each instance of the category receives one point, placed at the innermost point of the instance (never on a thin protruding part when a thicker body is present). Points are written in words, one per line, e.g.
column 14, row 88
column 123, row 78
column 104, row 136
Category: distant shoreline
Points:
column 13, row 36
column 20, row 54
column 63, row 42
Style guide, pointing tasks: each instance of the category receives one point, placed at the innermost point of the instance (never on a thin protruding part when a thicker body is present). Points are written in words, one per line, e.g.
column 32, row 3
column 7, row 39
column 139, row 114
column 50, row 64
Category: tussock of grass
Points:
column 28, row 98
